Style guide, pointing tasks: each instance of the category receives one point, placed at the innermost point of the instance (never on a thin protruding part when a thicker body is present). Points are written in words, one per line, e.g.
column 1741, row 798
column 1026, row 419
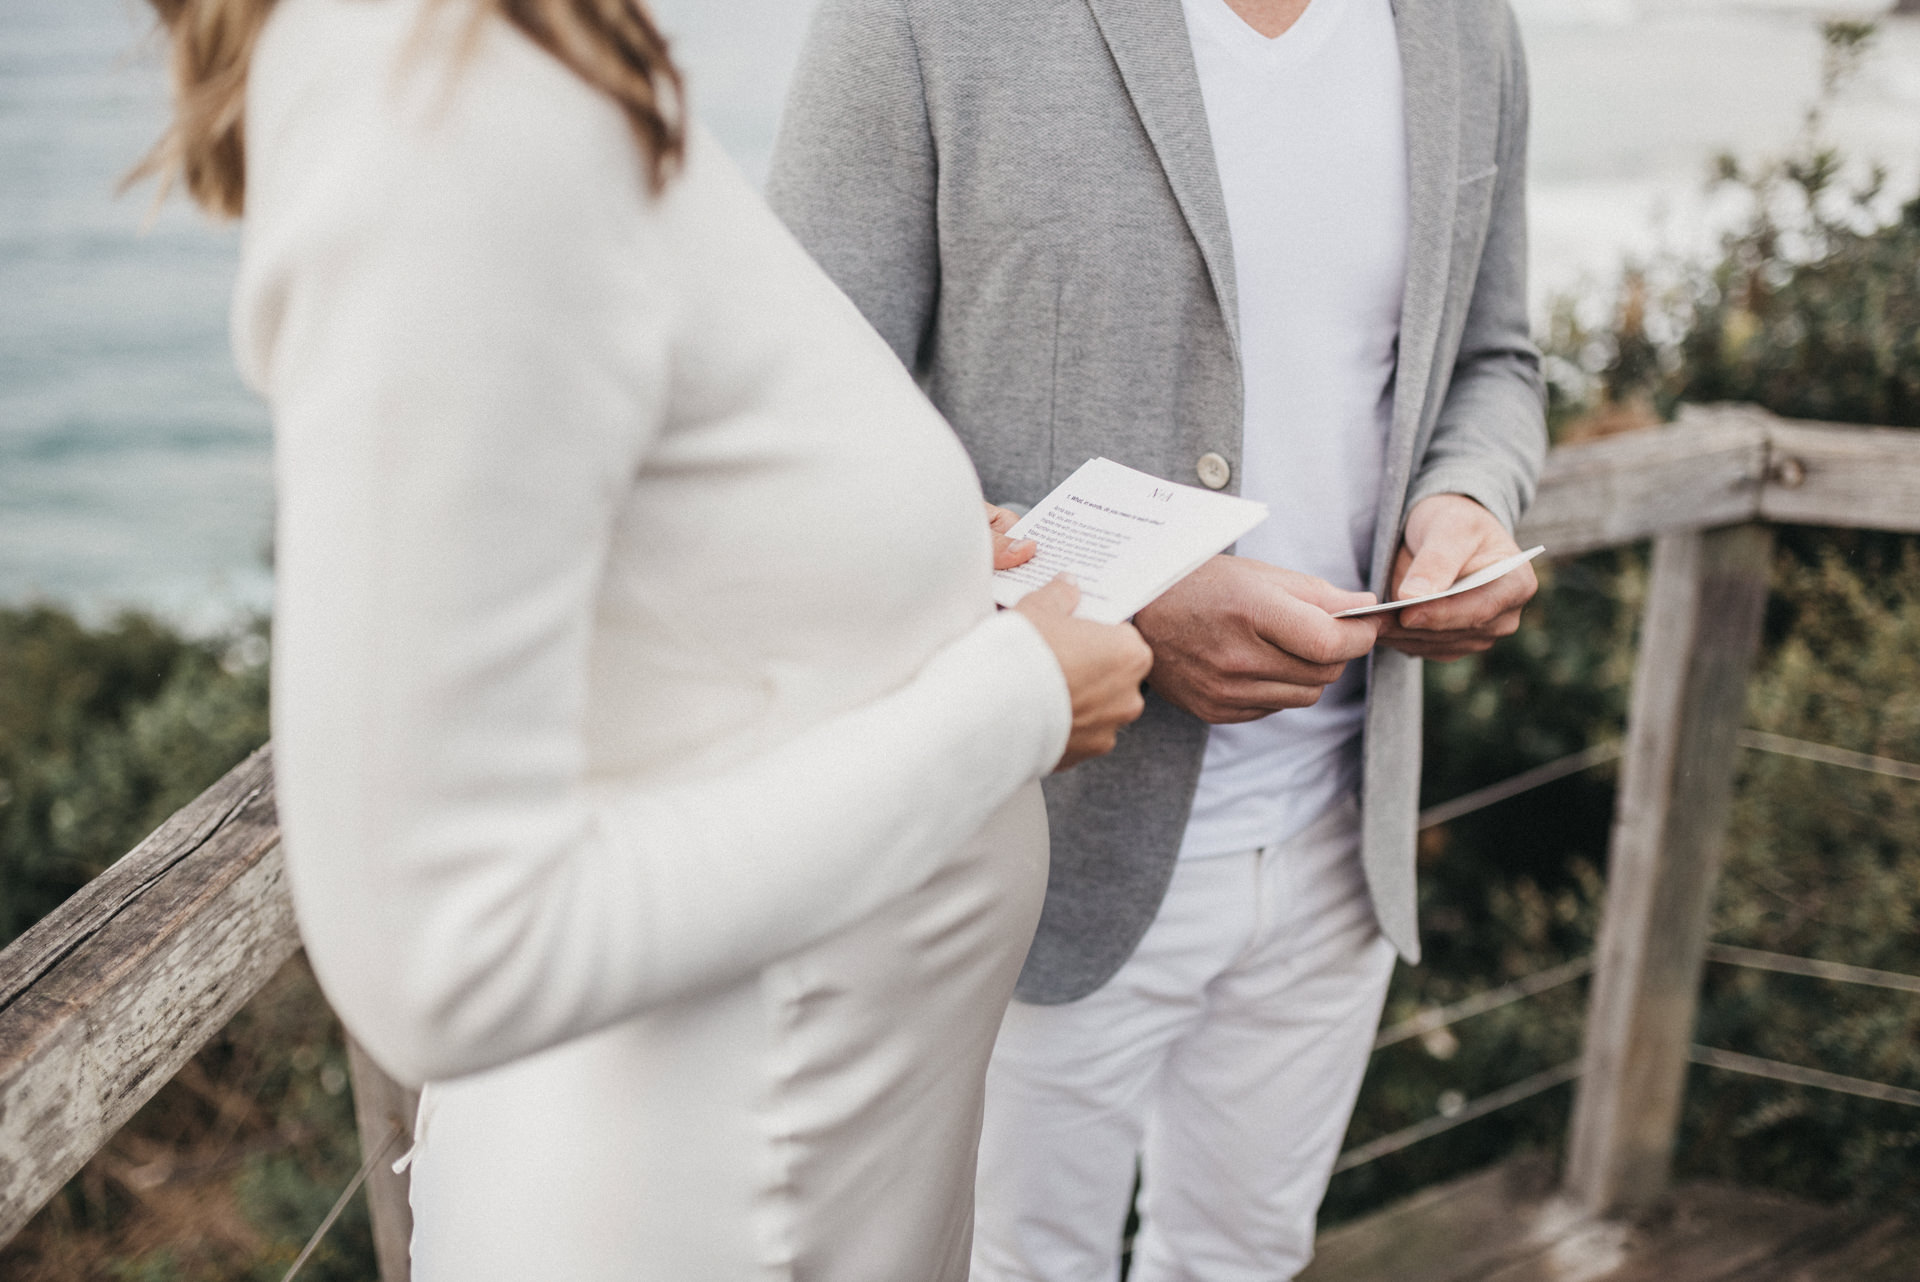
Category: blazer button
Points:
column 1214, row 471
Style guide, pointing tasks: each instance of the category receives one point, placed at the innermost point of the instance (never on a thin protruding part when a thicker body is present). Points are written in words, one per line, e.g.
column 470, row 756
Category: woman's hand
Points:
column 1007, row 553
column 1104, row 665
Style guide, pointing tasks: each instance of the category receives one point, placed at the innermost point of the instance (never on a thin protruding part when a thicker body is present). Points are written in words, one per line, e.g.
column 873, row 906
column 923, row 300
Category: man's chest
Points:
column 1309, row 141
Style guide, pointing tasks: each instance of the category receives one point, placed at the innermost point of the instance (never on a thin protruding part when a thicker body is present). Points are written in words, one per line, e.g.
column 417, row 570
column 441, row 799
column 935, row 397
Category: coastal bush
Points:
column 104, row 732
column 1823, row 861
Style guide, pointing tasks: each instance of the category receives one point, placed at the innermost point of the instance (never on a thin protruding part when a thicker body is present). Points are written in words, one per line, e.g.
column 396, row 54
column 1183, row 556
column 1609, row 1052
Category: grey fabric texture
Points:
column 1021, row 196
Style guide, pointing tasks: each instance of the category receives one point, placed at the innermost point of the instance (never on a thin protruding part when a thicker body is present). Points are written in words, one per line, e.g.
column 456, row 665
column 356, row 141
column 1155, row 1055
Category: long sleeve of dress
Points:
column 466, row 336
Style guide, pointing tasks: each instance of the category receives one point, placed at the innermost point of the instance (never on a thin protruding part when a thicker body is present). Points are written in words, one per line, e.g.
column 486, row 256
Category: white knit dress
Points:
column 657, row 780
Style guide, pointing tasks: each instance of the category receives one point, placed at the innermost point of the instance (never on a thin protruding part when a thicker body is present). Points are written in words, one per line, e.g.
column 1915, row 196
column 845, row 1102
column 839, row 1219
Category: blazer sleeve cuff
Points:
column 1483, row 489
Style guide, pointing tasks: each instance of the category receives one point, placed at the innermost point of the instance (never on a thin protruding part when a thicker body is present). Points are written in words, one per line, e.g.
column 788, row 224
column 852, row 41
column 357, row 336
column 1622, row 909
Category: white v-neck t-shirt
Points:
column 1309, row 137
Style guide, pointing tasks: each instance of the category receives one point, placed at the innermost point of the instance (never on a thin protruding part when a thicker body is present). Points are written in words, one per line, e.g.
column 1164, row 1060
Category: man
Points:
column 1270, row 247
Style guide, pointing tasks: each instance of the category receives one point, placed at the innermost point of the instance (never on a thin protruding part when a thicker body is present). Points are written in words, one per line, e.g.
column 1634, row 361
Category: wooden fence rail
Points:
column 106, row 998
column 1725, row 465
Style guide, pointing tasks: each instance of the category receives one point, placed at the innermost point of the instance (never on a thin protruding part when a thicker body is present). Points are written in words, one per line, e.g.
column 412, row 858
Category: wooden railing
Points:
column 106, row 998
column 1706, row 491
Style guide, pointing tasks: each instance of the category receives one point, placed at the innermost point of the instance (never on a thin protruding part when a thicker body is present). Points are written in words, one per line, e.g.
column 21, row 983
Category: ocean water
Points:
column 134, row 465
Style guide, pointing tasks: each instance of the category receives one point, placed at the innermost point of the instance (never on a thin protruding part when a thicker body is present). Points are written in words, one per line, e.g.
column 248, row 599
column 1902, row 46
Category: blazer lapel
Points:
column 1149, row 43
column 1430, row 69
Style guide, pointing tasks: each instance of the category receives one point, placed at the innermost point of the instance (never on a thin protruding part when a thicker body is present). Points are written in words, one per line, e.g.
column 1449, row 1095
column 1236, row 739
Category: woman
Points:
column 657, row 780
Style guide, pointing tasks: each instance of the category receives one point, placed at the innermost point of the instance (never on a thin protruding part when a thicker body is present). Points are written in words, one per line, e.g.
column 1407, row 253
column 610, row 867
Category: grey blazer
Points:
column 1021, row 196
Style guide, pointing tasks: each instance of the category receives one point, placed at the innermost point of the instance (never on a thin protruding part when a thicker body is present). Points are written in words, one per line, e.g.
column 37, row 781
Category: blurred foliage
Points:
column 102, row 735
column 1811, row 309
column 1823, row 862
column 104, row 732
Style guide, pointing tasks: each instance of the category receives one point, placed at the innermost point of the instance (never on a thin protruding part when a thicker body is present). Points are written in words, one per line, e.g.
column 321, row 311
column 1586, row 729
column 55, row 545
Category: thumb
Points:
column 1436, row 566
column 1057, row 599
column 1319, row 592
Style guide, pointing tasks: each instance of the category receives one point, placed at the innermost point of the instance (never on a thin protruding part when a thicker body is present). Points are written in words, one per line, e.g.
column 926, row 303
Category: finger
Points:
column 1488, row 634
column 1279, row 696
column 1254, row 660
column 1313, row 636
column 1139, row 652
column 1250, row 701
column 1126, row 708
column 1447, row 651
column 1085, row 744
column 1056, row 598
column 1263, row 699
column 1439, row 562
column 1093, row 741
column 1283, row 669
column 1502, row 625
column 1472, row 611
column 999, row 520
column 1007, row 553
column 1317, row 591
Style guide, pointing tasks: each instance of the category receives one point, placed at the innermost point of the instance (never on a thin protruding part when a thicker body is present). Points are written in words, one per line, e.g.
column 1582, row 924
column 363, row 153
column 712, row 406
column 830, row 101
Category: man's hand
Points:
column 1007, row 553
column 1238, row 639
column 1449, row 535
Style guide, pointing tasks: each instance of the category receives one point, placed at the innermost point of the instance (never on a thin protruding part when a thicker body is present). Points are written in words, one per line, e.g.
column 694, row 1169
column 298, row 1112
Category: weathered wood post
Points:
column 103, row 1000
column 380, row 1105
column 1702, row 627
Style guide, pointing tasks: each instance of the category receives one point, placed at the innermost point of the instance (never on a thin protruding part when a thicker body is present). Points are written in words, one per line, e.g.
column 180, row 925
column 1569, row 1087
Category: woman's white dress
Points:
column 656, row 778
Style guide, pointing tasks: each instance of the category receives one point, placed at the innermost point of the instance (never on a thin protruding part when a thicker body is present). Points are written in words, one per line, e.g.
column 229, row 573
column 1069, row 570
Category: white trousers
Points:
column 1224, row 1056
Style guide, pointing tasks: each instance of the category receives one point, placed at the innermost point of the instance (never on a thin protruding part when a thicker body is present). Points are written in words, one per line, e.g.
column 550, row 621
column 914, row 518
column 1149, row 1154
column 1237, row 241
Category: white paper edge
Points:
column 1479, row 578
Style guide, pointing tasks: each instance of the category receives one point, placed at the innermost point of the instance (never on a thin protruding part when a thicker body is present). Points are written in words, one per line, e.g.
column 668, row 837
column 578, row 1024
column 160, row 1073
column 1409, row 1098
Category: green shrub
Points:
column 104, row 732
column 1823, row 861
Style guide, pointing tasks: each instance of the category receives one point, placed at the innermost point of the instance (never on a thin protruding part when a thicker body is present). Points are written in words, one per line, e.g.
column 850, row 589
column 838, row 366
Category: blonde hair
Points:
column 613, row 45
